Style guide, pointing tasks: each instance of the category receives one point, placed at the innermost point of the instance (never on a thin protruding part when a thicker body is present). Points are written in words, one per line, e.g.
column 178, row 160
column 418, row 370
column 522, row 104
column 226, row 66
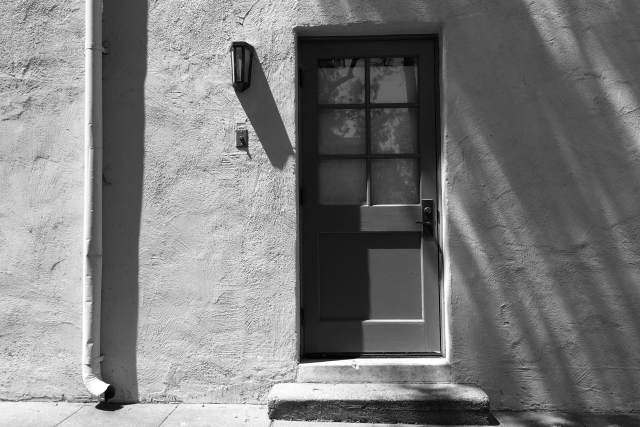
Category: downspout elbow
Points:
column 94, row 383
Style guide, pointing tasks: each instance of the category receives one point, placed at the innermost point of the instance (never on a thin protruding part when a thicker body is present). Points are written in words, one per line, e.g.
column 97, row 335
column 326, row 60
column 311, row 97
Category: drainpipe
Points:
column 92, row 236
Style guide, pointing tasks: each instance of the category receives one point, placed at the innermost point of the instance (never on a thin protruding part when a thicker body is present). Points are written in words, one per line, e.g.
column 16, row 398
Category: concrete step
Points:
column 443, row 404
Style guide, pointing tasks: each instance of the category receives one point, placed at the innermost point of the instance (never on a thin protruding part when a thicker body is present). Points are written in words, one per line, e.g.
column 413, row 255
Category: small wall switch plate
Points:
column 242, row 138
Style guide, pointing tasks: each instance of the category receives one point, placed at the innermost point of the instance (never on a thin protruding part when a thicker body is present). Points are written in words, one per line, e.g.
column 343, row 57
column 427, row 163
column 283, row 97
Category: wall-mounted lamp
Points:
column 241, row 61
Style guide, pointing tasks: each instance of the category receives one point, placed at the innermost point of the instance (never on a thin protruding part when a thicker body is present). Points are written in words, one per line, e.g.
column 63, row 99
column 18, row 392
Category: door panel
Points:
column 370, row 276
column 370, row 279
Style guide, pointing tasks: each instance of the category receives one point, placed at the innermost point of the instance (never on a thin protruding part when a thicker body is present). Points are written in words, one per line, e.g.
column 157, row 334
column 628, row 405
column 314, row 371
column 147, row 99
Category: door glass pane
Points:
column 394, row 79
column 343, row 182
column 394, row 130
column 341, row 81
column 341, row 131
column 394, row 181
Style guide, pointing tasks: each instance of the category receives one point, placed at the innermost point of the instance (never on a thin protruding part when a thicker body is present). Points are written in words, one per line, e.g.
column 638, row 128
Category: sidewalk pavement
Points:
column 62, row 414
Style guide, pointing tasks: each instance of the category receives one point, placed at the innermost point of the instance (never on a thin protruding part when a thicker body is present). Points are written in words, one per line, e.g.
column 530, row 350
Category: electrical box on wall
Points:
column 242, row 138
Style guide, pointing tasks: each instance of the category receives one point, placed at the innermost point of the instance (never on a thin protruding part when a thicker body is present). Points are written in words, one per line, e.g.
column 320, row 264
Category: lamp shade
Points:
column 241, row 63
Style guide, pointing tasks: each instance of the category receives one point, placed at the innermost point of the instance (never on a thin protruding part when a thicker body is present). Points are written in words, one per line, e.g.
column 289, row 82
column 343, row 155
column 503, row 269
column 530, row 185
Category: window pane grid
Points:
column 382, row 194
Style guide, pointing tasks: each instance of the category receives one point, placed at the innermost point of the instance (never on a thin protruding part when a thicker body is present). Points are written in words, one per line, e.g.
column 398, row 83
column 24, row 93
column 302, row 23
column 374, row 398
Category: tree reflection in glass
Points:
column 341, row 131
column 394, row 130
column 341, row 81
column 394, row 80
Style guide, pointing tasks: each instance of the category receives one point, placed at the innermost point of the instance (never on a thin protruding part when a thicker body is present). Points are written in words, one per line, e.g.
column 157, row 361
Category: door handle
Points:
column 428, row 207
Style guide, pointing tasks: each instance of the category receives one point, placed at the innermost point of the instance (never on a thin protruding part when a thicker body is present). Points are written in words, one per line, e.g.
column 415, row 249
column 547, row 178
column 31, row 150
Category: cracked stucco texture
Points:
column 541, row 167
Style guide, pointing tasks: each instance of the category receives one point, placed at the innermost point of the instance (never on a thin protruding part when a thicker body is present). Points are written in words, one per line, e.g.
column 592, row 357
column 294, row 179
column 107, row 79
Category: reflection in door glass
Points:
column 394, row 80
column 343, row 182
column 341, row 81
column 394, row 130
column 394, row 181
column 341, row 131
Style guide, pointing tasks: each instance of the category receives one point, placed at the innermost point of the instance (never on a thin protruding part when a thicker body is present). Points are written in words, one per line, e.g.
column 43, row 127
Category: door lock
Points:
column 427, row 218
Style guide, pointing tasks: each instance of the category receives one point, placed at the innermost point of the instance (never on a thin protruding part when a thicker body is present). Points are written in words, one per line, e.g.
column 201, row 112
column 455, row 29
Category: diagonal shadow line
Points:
column 261, row 109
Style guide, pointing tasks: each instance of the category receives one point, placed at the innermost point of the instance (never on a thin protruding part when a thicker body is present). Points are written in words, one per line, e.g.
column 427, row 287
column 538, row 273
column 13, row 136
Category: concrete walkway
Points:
column 49, row 414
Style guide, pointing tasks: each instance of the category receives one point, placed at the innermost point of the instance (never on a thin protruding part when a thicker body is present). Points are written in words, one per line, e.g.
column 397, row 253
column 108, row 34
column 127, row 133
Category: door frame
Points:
column 441, row 219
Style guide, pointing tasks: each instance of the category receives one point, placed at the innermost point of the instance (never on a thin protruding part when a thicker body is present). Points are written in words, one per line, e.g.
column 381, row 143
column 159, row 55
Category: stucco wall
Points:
column 542, row 177
column 540, row 139
column 41, row 161
column 200, row 237
column 543, row 201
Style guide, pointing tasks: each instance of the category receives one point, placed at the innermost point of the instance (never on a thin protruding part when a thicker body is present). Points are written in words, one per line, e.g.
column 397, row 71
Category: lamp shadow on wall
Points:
column 261, row 109
column 543, row 175
column 124, row 74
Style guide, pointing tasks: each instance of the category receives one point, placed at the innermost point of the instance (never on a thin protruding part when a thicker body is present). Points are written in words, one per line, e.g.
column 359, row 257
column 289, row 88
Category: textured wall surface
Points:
column 542, row 149
column 541, row 160
column 200, row 237
column 41, row 161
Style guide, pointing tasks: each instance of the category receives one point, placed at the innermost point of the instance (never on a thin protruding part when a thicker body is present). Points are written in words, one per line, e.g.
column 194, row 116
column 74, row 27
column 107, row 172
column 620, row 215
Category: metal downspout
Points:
column 92, row 235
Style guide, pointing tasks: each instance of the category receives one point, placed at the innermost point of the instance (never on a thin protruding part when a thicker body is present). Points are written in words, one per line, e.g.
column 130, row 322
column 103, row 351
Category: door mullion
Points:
column 367, row 127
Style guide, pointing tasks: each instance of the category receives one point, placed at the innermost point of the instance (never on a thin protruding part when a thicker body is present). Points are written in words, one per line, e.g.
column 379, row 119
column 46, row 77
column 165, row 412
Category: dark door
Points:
column 370, row 269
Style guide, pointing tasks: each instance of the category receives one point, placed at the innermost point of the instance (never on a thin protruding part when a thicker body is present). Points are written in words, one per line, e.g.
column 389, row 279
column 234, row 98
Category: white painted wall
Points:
column 540, row 141
column 41, row 160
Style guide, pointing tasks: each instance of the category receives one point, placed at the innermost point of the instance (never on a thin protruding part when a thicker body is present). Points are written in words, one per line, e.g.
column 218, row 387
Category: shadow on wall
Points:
column 262, row 111
column 543, row 171
column 124, row 74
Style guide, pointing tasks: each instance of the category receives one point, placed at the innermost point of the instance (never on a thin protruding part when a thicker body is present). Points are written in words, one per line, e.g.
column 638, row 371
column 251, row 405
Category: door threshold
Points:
column 375, row 370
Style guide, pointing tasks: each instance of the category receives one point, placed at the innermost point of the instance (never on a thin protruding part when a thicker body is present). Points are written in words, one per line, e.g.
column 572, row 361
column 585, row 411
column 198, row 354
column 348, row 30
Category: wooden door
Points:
column 370, row 277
